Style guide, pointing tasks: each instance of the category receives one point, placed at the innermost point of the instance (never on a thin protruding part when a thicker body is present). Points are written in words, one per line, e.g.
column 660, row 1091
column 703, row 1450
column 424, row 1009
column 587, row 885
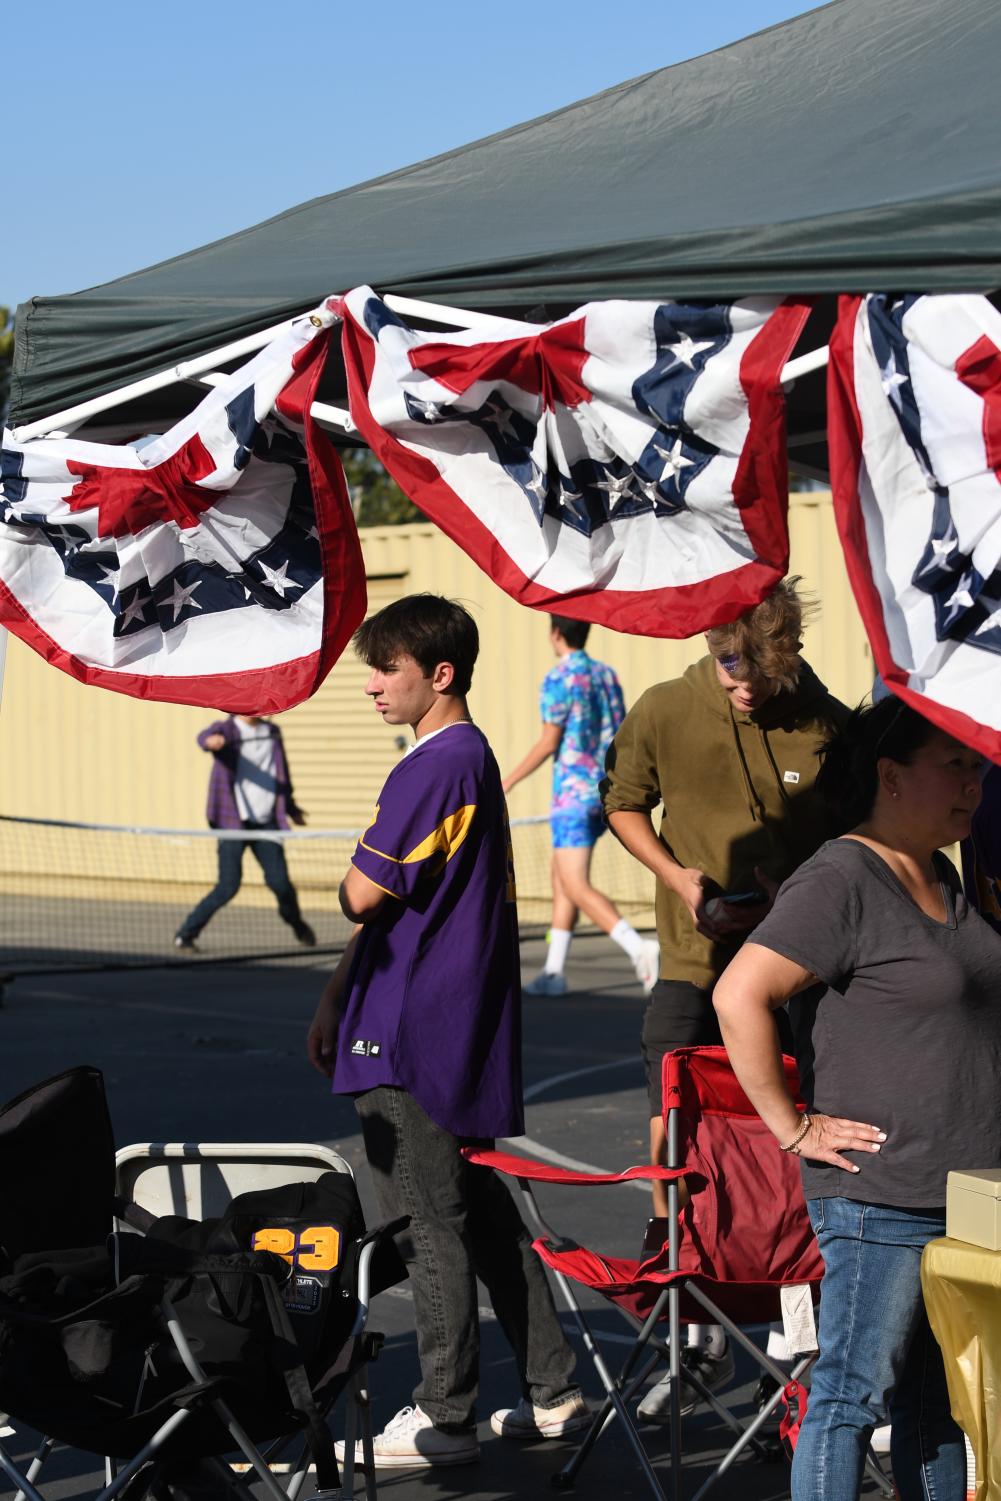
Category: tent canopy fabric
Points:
column 851, row 149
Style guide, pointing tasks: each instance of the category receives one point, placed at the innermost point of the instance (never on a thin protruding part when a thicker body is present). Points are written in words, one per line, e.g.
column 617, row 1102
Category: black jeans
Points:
column 270, row 856
column 463, row 1225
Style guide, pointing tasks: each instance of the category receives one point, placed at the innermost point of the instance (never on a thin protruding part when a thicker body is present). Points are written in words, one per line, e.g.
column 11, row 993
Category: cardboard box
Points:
column 973, row 1207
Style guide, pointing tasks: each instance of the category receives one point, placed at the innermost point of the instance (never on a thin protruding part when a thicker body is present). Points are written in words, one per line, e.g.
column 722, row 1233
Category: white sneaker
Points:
column 411, row 1441
column 647, row 964
column 527, row 1421
column 546, row 984
column 714, row 1371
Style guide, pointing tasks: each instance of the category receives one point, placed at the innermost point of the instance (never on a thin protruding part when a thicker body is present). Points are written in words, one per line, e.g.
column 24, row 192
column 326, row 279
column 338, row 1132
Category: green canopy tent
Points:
column 851, row 149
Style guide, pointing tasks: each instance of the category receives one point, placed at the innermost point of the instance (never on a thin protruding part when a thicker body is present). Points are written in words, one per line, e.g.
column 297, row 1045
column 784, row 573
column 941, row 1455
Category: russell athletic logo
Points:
column 362, row 1049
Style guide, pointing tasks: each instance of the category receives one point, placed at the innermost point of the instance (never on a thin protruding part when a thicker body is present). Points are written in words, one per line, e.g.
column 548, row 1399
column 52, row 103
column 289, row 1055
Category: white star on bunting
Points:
column 686, row 349
column 182, row 597
column 892, row 380
column 674, row 460
column 277, row 579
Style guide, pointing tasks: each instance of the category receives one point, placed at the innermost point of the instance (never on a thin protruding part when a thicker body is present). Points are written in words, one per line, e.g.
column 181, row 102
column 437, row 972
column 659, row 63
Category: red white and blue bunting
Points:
column 216, row 565
column 624, row 465
column 914, row 432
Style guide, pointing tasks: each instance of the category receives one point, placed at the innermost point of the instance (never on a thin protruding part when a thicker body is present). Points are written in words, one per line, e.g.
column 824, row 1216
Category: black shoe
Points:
column 182, row 941
column 767, row 1387
column 304, row 933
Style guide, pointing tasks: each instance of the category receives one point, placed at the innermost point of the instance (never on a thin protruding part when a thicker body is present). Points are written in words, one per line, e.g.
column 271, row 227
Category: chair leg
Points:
column 148, row 1451
column 246, row 1444
column 300, row 1470
column 564, row 1479
column 42, row 1453
column 10, row 1469
column 602, row 1418
column 364, row 1403
column 351, row 1409
column 875, row 1471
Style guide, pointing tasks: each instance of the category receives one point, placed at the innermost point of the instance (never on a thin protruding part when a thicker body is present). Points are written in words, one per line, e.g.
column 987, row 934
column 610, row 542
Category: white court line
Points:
column 546, row 1154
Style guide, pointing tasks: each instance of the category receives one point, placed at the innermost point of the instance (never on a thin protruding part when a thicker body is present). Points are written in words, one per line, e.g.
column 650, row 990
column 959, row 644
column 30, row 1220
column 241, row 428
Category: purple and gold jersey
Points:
column 433, row 1003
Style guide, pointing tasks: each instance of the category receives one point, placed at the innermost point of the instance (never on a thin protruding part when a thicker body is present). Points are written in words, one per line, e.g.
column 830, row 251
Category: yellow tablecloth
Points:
column 962, row 1288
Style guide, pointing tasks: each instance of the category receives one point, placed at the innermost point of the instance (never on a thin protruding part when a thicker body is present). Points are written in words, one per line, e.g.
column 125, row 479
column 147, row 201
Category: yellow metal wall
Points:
column 71, row 752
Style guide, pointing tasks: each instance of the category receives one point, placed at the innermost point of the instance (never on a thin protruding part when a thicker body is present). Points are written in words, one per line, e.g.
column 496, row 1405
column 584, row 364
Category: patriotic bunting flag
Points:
column 624, row 465
column 217, row 565
column 914, row 428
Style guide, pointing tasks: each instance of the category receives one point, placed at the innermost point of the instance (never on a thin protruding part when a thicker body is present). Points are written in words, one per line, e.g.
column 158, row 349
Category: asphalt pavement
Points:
column 217, row 1054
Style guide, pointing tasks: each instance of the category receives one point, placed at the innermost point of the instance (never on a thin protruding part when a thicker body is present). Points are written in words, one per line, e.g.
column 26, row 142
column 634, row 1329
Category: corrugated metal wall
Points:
column 70, row 752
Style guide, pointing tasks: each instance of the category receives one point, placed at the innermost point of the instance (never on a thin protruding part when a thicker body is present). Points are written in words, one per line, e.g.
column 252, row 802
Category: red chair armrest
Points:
column 541, row 1172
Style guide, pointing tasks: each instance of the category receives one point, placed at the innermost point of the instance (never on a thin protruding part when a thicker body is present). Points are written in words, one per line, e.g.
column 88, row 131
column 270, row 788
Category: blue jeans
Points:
column 878, row 1358
column 270, row 856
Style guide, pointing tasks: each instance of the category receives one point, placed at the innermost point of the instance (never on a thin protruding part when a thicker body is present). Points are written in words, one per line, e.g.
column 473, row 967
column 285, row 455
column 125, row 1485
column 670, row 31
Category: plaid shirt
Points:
column 221, row 809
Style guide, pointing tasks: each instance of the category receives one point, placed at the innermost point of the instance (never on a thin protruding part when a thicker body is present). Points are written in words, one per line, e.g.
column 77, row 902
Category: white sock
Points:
column 627, row 938
column 709, row 1338
column 559, row 947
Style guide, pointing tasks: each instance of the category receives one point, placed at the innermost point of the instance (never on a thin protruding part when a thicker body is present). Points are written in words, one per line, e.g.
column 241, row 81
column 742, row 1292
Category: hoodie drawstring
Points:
column 778, row 780
column 755, row 806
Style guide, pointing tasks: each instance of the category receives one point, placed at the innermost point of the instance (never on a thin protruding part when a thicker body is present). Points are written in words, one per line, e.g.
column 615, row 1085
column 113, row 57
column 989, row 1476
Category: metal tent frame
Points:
column 203, row 370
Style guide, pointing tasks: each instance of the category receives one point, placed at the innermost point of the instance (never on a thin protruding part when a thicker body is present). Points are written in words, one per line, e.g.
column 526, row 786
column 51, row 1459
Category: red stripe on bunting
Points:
column 676, row 612
column 761, row 484
column 844, row 441
column 979, row 367
column 264, row 690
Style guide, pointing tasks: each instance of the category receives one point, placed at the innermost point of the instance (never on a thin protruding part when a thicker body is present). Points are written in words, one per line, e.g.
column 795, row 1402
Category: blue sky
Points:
column 135, row 132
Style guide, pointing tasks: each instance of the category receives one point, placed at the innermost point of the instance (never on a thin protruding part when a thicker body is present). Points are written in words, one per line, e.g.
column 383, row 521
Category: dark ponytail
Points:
column 848, row 780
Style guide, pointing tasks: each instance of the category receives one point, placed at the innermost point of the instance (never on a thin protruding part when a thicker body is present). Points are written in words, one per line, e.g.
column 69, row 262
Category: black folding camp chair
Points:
column 167, row 1352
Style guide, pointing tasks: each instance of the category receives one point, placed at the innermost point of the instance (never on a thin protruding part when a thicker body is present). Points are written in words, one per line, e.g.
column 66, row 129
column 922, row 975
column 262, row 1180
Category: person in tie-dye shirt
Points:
column 582, row 706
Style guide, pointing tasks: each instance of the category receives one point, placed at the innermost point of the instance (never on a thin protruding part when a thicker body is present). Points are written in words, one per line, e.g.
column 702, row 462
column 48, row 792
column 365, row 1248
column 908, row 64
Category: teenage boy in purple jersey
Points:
column 421, row 1023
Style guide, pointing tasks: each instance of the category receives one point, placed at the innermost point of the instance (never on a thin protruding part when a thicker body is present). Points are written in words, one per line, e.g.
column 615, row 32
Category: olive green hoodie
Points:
column 737, row 788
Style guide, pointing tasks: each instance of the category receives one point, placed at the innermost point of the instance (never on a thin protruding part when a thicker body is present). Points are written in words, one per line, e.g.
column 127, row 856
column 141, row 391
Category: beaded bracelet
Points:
column 804, row 1128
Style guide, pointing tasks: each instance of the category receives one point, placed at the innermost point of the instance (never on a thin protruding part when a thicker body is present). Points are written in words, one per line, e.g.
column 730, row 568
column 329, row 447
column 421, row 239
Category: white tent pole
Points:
column 75, row 415
column 439, row 312
column 321, row 410
column 803, row 365
column 201, row 367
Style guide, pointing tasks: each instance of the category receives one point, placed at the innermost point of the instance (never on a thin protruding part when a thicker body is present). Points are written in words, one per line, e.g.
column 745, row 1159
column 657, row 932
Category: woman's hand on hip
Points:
column 829, row 1136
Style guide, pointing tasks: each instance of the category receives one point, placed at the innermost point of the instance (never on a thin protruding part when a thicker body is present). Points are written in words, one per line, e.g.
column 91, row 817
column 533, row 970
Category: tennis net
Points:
column 79, row 896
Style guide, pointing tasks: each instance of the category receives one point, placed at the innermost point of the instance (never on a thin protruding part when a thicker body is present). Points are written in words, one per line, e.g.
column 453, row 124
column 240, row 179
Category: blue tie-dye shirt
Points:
column 585, row 698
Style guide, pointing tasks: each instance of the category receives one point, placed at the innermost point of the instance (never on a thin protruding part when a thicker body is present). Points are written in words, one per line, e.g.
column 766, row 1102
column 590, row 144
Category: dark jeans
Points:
column 878, row 1358
column 463, row 1225
column 270, row 856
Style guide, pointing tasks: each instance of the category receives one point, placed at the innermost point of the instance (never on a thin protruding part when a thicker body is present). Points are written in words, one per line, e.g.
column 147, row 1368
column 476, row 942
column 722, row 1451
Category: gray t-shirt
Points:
column 907, row 1033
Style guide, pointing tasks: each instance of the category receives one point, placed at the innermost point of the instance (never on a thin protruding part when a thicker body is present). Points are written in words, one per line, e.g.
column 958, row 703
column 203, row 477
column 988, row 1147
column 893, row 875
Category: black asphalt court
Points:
column 217, row 1055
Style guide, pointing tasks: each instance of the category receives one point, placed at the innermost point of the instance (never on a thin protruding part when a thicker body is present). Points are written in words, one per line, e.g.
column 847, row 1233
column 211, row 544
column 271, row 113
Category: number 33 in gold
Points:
column 315, row 1249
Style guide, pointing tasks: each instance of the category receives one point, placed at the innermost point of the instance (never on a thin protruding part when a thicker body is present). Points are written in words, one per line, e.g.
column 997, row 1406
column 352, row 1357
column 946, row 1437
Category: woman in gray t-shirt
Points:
column 893, row 982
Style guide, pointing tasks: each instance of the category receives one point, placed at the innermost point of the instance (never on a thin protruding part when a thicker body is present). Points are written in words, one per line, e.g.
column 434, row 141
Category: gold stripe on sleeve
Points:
column 446, row 838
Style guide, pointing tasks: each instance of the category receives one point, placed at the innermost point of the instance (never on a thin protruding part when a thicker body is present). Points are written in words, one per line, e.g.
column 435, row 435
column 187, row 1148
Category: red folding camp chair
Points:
column 744, row 1235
